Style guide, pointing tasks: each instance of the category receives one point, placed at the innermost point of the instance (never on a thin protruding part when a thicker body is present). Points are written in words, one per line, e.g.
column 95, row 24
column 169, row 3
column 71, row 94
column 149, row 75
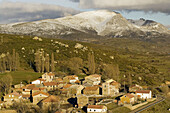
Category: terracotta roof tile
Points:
column 25, row 95
column 51, row 98
column 50, row 83
column 67, row 86
column 91, row 88
column 29, row 86
column 49, row 74
column 129, row 95
column 143, row 91
column 95, row 106
column 15, row 94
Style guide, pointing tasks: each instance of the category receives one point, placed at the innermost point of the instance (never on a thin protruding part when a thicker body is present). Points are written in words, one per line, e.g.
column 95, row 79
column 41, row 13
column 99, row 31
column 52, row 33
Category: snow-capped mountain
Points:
column 149, row 25
column 101, row 23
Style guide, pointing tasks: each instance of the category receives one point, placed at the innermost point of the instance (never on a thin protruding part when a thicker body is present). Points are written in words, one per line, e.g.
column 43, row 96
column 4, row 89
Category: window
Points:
column 9, row 95
column 12, row 95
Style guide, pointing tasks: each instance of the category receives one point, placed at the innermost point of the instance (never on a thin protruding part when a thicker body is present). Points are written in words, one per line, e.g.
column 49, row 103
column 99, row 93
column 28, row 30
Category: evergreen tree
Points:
column 52, row 63
column 47, row 69
column 42, row 62
column 91, row 63
column 38, row 61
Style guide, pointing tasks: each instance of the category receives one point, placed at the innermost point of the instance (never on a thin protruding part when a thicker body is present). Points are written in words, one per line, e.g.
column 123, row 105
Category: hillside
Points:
column 145, row 68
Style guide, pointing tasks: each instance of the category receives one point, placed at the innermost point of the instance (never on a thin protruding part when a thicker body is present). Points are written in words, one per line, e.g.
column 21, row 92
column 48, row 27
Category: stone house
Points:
column 135, row 87
column 58, row 80
column 38, row 96
column 50, row 85
column 76, row 90
column 71, row 79
column 82, row 100
column 17, row 86
column 110, row 87
column 91, row 90
column 38, row 81
column 96, row 109
column 48, row 77
column 37, row 89
column 26, row 91
column 144, row 94
column 11, row 97
column 44, row 103
column 128, row 99
column 94, row 79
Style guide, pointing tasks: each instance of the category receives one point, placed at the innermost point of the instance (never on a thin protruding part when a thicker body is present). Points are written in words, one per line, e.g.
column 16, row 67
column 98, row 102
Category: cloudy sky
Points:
column 30, row 10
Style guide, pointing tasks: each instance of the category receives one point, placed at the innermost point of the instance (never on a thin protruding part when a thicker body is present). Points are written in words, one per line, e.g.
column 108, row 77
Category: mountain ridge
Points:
column 99, row 23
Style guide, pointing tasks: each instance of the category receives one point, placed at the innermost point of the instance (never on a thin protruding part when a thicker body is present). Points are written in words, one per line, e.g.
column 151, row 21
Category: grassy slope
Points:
column 22, row 76
column 130, row 54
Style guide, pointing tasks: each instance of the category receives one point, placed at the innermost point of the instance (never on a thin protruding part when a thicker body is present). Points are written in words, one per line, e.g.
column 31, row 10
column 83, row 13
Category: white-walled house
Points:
column 144, row 94
column 96, row 109
column 48, row 77
column 38, row 81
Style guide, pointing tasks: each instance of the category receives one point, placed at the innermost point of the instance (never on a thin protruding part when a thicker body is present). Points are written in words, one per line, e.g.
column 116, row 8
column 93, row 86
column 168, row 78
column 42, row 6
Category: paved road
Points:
column 140, row 109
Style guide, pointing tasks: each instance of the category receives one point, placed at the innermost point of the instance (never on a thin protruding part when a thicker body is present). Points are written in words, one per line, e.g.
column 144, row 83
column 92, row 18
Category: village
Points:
column 90, row 94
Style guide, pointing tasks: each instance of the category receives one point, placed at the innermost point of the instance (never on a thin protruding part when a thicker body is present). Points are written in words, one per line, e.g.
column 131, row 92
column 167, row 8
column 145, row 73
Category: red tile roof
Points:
column 15, row 94
column 143, row 91
column 29, row 86
column 25, row 95
column 49, row 74
column 67, row 86
column 95, row 106
column 91, row 88
column 51, row 98
column 129, row 95
column 50, row 83
column 40, row 92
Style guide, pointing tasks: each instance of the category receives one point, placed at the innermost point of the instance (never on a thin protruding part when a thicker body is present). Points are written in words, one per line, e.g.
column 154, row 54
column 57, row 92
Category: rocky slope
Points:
column 98, row 23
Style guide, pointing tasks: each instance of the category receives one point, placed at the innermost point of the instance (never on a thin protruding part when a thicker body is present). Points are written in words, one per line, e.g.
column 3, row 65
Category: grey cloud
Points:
column 75, row 0
column 144, row 5
column 11, row 12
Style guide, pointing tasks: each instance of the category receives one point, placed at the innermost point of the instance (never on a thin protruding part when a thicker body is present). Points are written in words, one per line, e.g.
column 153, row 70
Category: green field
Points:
column 22, row 76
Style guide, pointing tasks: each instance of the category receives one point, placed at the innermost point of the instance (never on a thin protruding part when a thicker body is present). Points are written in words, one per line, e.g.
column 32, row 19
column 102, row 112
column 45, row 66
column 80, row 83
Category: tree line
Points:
column 43, row 63
column 46, row 63
column 9, row 62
